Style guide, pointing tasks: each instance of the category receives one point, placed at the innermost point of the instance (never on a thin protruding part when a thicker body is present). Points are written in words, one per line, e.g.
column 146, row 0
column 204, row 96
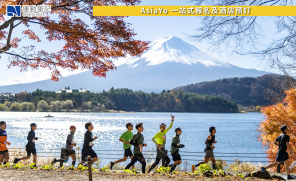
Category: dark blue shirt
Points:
column 3, row 132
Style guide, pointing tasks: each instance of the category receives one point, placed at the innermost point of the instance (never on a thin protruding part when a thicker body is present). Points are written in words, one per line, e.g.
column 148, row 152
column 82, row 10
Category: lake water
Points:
column 236, row 133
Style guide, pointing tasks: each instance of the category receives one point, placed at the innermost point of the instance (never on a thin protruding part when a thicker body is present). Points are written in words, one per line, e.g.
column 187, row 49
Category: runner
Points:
column 209, row 149
column 125, row 138
column 138, row 142
column 3, row 142
column 283, row 142
column 160, row 139
column 69, row 152
column 87, row 145
column 175, row 149
column 30, row 147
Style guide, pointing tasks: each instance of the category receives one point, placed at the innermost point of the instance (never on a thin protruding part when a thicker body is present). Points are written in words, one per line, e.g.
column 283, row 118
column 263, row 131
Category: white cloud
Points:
column 33, row 76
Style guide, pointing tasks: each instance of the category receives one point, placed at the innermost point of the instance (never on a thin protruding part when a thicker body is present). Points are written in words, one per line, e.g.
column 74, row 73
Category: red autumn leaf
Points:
column 86, row 46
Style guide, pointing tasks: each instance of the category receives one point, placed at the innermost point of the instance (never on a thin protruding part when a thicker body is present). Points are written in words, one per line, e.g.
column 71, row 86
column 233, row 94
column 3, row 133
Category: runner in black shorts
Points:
column 175, row 149
column 283, row 142
column 68, row 152
column 125, row 138
column 30, row 147
column 87, row 145
column 209, row 155
column 3, row 142
column 138, row 142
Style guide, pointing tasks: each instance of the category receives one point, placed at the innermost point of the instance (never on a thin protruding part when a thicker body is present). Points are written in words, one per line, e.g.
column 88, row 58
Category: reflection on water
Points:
column 236, row 133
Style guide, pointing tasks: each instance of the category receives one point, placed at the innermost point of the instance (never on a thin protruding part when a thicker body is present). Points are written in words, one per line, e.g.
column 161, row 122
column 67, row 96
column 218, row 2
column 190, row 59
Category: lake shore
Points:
column 57, row 175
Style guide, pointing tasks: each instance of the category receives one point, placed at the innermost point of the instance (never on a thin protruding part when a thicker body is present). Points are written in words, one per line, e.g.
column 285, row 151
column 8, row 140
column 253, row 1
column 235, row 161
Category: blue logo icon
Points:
column 13, row 10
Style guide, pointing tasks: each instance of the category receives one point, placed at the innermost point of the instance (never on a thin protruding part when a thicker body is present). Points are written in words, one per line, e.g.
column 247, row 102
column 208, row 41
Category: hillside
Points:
column 125, row 100
column 170, row 62
column 245, row 91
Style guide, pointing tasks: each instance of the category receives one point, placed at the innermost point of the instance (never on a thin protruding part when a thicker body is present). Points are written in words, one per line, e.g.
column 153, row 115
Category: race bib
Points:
column 164, row 139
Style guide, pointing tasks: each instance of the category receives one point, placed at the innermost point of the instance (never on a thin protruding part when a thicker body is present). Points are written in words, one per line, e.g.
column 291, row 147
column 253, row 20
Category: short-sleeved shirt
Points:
column 31, row 138
column 283, row 139
column 176, row 141
column 88, row 138
column 138, row 139
column 3, row 138
column 161, row 136
column 126, row 136
column 70, row 140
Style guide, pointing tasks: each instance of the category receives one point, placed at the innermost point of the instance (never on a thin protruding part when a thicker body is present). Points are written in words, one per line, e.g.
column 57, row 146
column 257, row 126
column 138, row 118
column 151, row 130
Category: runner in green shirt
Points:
column 125, row 138
column 160, row 139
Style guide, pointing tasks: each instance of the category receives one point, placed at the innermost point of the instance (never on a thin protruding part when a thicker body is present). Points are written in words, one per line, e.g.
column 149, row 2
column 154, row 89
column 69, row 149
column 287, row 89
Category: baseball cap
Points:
column 72, row 127
column 162, row 124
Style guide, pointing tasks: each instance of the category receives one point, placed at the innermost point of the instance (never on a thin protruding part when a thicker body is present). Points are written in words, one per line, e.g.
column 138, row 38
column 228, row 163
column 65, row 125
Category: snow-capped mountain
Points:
column 170, row 62
column 172, row 49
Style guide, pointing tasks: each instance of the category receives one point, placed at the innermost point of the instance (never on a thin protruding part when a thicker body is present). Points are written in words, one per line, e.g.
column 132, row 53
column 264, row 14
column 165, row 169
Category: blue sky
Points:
column 149, row 29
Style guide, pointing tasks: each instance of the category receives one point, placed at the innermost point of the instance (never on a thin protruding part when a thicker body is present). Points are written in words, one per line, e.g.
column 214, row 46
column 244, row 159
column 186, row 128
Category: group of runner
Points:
column 137, row 140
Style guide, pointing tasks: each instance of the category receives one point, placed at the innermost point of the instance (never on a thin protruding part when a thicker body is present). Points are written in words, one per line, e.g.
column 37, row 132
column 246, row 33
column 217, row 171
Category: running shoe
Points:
column 111, row 165
column 53, row 161
column 193, row 168
column 290, row 177
column 16, row 160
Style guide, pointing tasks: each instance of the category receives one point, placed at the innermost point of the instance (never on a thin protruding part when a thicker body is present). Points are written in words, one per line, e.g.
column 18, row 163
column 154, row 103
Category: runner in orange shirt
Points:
column 3, row 142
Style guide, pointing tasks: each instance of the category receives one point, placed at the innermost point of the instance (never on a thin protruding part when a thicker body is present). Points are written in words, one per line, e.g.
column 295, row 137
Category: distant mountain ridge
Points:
column 170, row 62
column 245, row 91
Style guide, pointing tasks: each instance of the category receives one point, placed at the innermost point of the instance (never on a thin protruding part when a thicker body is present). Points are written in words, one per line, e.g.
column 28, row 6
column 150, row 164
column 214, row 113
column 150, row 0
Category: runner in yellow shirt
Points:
column 160, row 139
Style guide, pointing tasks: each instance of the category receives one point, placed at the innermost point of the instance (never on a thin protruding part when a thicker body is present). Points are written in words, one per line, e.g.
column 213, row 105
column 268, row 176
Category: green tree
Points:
column 7, row 103
column 31, row 106
column 25, row 106
column 55, row 106
column 16, row 106
column 68, row 104
column 86, row 105
column 2, row 107
column 43, row 106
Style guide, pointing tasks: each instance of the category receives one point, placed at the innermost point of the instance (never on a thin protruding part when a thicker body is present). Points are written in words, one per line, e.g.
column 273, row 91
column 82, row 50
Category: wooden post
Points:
column 89, row 168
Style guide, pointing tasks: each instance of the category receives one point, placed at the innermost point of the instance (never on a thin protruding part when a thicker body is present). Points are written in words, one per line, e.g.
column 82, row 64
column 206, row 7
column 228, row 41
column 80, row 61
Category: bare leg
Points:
column 25, row 158
column 73, row 157
column 122, row 160
column 206, row 160
column 6, row 156
column 272, row 165
column 94, row 160
column 35, row 159
column 1, row 158
column 287, row 163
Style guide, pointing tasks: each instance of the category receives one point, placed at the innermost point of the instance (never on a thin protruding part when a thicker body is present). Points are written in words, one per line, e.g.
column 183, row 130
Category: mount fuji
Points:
column 170, row 62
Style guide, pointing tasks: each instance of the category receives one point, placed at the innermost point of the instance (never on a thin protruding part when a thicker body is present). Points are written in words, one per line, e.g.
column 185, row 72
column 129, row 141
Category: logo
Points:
column 28, row 10
column 13, row 10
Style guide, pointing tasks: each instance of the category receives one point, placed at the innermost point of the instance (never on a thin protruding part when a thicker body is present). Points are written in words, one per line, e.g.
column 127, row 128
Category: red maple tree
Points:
column 86, row 46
